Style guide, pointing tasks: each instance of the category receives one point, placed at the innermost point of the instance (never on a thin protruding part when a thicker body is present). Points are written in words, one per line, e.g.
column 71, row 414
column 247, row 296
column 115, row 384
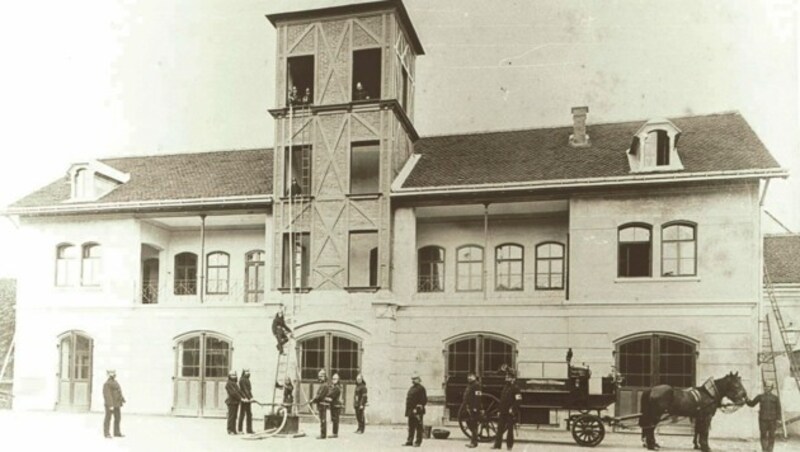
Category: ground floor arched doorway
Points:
column 483, row 354
column 652, row 358
column 336, row 353
column 75, row 371
column 202, row 363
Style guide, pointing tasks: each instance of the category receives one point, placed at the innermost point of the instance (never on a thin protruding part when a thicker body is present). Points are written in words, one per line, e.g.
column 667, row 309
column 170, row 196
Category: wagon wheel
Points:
column 588, row 430
column 487, row 423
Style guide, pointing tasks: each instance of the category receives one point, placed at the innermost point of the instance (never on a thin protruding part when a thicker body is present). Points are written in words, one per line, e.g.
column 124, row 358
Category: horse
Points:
column 700, row 403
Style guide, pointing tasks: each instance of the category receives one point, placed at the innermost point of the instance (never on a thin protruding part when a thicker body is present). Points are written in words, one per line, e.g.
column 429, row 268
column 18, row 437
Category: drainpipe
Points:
column 485, row 250
column 201, row 266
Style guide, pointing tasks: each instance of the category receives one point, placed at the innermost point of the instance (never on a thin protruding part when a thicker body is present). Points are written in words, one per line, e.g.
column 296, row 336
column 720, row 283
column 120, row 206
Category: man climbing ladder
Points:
column 281, row 330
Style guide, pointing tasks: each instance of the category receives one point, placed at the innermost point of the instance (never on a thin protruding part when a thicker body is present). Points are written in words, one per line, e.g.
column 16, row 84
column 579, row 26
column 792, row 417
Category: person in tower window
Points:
column 360, row 92
column 295, row 189
column 281, row 330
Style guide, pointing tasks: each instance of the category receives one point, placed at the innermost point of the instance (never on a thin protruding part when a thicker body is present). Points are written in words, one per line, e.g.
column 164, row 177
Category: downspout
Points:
column 760, row 283
column 202, row 266
column 485, row 250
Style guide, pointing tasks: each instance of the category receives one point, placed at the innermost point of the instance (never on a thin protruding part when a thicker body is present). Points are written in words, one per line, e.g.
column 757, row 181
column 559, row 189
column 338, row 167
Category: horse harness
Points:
column 710, row 388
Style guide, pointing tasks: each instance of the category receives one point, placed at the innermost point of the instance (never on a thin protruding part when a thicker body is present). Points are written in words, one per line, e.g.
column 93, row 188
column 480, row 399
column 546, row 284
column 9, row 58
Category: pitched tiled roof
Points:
column 717, row 142
column 782, row 258
column 174, row 177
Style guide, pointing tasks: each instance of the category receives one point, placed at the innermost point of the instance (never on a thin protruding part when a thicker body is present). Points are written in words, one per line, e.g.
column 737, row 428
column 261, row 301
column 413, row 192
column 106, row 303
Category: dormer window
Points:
column 653, row 148
column 92, row 180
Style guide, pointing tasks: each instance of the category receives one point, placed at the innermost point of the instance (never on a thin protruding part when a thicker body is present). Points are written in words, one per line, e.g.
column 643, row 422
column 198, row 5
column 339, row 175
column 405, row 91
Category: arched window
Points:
column 91, row 265
column 679, row 249
column 469, row 268
column 550, row 266
column 430, row 265
column 67, row 265
column 509, row 267
column 254, row 276
column 217, row 272
column 185, row 274
column 482, row 354
column 634, row 250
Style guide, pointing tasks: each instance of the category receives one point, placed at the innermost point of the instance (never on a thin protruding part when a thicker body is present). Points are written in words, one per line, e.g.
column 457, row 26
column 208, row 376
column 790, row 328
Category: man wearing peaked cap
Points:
column 416, row 399
column 113, row 401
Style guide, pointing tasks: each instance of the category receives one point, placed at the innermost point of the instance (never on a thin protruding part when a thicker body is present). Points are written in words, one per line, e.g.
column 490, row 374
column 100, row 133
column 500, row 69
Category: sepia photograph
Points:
column 368, row 225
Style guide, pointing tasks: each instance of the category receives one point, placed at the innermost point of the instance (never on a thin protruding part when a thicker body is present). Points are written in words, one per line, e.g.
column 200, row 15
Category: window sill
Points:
column 658, row 279
column 301, row 198
column 294, row 290
column 365, row 289
column 363, row 195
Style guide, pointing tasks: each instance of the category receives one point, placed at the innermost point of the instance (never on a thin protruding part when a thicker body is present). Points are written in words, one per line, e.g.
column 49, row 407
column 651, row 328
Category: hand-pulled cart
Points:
column 539, row 397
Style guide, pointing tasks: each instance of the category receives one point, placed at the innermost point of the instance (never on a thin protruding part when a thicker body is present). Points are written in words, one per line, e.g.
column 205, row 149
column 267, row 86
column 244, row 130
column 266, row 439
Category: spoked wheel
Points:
column 487, row 422
column 588, row 430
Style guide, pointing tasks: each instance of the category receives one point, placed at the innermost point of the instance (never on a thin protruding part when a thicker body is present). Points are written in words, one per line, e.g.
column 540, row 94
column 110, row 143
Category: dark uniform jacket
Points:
column 416, row 398
column 322, row 397
column 335, row 394
column 279, row 326
column 510, row 398
column 234, row 393
column 471, row 398
column 288, row 392
column 770, row 409
column 112, row 394
column 360, row 398
column 245, row 387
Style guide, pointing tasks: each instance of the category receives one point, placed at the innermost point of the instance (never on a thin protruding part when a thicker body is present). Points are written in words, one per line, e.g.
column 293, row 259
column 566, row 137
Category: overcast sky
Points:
column 102, row 78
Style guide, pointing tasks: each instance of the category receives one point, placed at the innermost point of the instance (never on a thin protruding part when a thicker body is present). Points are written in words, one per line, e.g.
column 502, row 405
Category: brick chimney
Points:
column 579, row 138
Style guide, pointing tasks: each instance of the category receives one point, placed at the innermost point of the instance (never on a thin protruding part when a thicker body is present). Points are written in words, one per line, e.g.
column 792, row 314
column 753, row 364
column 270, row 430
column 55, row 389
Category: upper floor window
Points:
column 67, row 265
column 296, row 260
column 185, row 274
column 254, row 277
column 635, row 250
column 363, row 259
column 300, row 80
column 297, row 171
column 469, row 268
column 367, row 74
column 90, row 265
column 656, row 148
column 365, row 167
column 509, row 267
column 430, row 265
column 217, row 272
column 550, row 266
column 678, row 250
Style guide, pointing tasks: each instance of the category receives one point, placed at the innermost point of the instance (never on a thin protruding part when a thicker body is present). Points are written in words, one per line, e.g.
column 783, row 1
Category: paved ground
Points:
column 49, row 431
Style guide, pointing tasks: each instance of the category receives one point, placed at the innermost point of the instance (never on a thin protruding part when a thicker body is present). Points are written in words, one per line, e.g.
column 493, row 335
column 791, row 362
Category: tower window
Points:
column 367, row 74
column 365, row 167
column 296, row 259
column 297, row 172
column 300, row 80
column 363, row 259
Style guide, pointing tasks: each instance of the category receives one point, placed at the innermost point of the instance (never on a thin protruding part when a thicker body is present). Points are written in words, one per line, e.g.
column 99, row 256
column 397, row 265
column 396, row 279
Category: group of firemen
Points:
column 508, row 407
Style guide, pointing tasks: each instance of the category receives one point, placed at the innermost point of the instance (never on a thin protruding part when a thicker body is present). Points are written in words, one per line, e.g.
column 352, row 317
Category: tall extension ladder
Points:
column 794, row 365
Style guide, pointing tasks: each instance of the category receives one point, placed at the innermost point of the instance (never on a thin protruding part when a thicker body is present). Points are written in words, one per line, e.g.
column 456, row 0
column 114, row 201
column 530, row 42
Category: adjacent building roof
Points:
column 175, row 177
column 782, row 258
column 712, row 143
